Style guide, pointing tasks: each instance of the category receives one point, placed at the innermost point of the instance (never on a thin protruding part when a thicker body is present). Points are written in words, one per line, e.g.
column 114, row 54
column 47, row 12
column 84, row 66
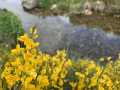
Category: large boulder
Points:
column 29, row 4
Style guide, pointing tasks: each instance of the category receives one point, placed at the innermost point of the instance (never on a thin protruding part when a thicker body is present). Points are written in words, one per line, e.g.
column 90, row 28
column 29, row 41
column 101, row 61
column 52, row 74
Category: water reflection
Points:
column 108, row 21
column 56, row 32
column 92, row 44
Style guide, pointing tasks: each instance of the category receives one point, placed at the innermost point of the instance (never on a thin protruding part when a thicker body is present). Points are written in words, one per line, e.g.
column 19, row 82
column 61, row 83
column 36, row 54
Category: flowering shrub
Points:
column 91, row 76
column 10, row 27
column 30, row 69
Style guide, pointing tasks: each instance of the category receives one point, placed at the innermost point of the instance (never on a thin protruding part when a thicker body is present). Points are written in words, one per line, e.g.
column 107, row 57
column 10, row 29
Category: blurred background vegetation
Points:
column 10, row 28
column 112, row 5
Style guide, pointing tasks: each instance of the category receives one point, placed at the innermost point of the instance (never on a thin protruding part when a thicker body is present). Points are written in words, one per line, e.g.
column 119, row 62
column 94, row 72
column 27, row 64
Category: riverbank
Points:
column 82, row 6
column 109, row 22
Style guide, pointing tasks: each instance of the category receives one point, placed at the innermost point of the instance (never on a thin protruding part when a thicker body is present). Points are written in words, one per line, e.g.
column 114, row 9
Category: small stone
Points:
column 54, row 6
column 87, row 12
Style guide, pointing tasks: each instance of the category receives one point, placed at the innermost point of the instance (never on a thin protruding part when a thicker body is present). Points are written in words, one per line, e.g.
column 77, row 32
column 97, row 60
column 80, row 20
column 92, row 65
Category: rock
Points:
column 87, row 5
column 87, row 12
column 54, row 6
column 29, row 4
column 98, row 6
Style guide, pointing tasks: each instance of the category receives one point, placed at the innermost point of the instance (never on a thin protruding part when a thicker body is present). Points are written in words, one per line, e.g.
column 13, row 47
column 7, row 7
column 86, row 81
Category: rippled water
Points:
column 56, row 32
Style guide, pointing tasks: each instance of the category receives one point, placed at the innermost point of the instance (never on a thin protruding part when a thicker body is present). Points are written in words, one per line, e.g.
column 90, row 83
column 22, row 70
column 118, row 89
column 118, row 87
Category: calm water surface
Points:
column 56, row 32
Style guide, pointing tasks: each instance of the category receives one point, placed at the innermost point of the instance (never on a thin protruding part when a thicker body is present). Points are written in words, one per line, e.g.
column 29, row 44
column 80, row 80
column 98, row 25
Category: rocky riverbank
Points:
column 109, row 22
column 86, row 7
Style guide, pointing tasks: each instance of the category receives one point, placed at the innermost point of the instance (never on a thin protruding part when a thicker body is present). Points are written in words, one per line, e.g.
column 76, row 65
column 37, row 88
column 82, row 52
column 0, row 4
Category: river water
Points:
column 57, row 32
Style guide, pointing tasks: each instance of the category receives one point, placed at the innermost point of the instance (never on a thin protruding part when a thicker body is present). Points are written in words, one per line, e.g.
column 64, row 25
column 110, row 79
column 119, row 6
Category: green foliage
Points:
column 4, row 56
column 78, row 5
column 63, row 4
column 10, row 26
column 45, row 4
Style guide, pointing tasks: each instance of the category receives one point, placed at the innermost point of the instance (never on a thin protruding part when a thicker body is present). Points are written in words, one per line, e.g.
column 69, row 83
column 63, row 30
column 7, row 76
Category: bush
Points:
column 30, row 69
column 10, row 26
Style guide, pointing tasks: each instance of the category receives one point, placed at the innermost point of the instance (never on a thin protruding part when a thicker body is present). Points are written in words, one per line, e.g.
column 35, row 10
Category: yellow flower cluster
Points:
column 34, row 70
column 30, row 69
column 97, row 77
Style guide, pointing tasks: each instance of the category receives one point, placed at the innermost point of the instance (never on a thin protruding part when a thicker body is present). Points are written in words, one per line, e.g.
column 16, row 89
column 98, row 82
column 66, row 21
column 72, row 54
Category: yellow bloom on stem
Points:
column 30, row 87
column 17, row 50
column 7, row 64
column 101, row 59
column 43, row 71
column 31, row 30
column 33, row 51
column 100, row 87
column 33, row 73
column 61, row 82
column 108, row 58
column 23, row 38
column 16, row 62
column 36, row 36
column 76, row 73
column 35, row 45
column 28, row 46
column 26, row 82
column 40, row 52
column 28, row 43
column 65, row 80
column 26, row 56
column 61, row 88
column 43, row 80
column 62, row 75
column 73, row 85
column 68, row 63
column 54, row 77
column 79, row 74
column 119, row 56
column 117, row 82
column 17, row 72
column 35, row 31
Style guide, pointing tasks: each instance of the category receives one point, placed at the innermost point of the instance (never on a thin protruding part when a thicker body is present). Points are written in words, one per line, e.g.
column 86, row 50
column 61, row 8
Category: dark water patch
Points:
column 92, row 44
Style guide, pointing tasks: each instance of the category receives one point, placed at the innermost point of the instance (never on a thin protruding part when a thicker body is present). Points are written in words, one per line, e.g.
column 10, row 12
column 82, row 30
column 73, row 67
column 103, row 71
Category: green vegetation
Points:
column 10, row 27
column 29, row 69
column 45, row 4
column 78, row 5
column 61, row 4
